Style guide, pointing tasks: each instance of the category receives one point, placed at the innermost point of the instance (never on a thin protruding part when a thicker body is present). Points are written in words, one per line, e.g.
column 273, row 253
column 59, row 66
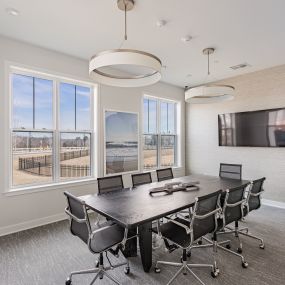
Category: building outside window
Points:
column 160, row 133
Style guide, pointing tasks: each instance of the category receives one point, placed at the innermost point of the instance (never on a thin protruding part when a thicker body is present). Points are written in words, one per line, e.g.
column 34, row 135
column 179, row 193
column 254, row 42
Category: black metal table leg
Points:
column 145, row 242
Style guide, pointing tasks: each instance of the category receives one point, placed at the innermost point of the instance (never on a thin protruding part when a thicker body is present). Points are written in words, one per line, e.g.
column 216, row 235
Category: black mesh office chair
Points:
column 99, row 241
column 141, row 179
column 108, row 184
column 185, row 232
column 232, row 171
column 164, row 174
column 232, row 206
column 111, row 183
column 253, row 202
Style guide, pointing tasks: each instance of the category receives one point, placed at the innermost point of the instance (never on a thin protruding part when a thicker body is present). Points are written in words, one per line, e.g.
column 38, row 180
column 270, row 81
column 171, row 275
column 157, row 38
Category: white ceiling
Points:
column 251, row 31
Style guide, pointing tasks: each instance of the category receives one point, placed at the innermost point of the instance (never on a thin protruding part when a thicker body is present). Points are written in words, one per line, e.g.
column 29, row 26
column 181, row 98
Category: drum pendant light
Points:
column 125, row 67
column 209, row 93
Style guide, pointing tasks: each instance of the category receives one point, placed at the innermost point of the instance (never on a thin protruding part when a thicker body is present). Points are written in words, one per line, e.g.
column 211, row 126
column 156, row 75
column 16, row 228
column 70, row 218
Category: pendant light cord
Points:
column 208, row 63
column 126, row 36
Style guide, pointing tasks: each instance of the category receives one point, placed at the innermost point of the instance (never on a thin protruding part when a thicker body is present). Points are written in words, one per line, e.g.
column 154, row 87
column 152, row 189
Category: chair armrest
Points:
column 256, row 194
column 208, row 214
column 187, row 229
column 243, row 201
column 74, row 217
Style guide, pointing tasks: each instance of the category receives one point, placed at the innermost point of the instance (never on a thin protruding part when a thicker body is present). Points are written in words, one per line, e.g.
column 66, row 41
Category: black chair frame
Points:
column 100, row 270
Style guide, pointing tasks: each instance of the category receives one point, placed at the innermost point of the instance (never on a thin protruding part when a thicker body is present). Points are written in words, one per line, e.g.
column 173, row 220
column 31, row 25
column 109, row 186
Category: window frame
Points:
column 56, row 131
column 158, row 133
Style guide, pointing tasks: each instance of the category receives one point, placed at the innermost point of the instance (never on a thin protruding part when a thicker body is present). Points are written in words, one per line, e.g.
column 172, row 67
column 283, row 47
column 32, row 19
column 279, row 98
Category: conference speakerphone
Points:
column 172, row 187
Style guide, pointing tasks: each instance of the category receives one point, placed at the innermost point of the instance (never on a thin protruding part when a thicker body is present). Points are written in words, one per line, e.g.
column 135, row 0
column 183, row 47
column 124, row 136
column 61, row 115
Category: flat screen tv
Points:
column 263, row 128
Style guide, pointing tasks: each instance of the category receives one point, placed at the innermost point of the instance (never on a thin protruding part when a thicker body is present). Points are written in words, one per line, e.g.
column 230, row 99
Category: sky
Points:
column 121, row 126
column 22, row 87
column 167, row 117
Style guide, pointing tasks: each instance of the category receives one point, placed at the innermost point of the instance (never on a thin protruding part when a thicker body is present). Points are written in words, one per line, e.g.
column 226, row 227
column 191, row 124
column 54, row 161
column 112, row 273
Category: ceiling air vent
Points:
column 242, row 65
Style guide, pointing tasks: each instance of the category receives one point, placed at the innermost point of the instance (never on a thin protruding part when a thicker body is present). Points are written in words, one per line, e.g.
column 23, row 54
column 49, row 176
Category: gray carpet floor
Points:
column 47, row 254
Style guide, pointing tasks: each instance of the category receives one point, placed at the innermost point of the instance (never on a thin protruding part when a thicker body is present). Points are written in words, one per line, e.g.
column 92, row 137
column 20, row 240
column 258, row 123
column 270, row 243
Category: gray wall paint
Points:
column 254, row 91
column 27, row 210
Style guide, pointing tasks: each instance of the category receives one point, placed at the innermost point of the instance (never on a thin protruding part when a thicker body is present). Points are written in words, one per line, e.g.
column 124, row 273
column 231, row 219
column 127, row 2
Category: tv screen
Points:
column 263, row 128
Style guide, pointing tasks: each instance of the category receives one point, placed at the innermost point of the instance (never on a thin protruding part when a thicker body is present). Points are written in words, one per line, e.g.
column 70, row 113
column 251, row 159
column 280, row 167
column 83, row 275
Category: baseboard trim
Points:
column 272, row 203
column 32, row 224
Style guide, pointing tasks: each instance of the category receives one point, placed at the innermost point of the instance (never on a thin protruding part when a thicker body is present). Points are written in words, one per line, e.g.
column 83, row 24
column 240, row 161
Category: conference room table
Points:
column 135, row 208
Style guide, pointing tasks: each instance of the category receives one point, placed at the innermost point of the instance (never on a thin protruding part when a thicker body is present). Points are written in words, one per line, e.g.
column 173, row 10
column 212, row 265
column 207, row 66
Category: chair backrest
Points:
column 141, row 179
column 233, row 204
column 254, row 195
column 164, row 174
column 205, row 214
column 232, row 171
column 79, row 221
column 108, row 184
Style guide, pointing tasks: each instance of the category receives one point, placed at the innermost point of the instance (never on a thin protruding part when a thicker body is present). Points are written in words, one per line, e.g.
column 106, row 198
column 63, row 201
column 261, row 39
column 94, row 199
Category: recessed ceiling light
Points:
column 188, row 75
column 186, row 39
column 12, row 11
column 160, row 23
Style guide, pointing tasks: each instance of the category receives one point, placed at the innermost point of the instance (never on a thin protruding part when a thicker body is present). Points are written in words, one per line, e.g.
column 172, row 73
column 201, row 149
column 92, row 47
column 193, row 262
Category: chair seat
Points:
column 175, row 233
column 106, row 237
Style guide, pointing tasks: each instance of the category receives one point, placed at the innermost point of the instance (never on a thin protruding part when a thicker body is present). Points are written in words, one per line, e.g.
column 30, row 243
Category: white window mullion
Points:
column 93, row 142
column 158, row 134
column 56, row 117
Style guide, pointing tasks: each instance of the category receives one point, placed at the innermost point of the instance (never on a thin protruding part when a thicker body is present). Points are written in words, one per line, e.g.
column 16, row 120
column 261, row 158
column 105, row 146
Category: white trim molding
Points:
column 272, row 203
column 32, row 224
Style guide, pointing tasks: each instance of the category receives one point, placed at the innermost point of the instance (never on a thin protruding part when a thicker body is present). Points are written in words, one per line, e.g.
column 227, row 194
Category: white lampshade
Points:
column 206, row 94
column 125, row 68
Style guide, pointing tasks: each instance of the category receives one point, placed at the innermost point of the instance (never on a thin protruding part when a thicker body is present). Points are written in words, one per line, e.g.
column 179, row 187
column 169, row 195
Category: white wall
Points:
column 254, row 91
column 27, row 210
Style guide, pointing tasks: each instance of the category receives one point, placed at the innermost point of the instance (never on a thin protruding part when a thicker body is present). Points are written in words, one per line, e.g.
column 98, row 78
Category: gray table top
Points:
column 133, row 207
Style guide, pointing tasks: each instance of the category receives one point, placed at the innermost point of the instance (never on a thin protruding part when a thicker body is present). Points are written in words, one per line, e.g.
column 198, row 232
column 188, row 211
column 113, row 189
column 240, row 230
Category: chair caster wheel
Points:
column 228, row 246
column 200, row 242
column 68, row 282
column 189, row 253
column 127, row 270
column 101, row 276
column 157, row 270
column 262, row 246
column 239, row 250
column 244, row 264
column 215, row 273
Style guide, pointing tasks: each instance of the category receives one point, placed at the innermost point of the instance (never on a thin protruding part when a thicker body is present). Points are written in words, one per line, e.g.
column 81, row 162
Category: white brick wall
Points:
column 254, row 91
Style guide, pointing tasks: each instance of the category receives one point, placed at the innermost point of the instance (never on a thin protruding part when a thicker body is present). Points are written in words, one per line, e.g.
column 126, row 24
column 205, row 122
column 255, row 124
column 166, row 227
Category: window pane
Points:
column 82, row 108
column 32, row 158
column 150, row 151
column 22, row 90
column 171, row 118
column 43, row 103
column 163, row 117
column 152, row 116
column 167, row 151
column 75, row 155
column 145, row 116
column 67, row 106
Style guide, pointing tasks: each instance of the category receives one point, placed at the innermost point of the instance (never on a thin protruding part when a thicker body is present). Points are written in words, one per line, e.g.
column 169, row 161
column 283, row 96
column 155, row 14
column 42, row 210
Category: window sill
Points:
column 48, row 187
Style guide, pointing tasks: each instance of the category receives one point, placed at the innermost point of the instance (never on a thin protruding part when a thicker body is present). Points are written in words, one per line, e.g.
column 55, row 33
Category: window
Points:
column 51, row 129
column 159, row 147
